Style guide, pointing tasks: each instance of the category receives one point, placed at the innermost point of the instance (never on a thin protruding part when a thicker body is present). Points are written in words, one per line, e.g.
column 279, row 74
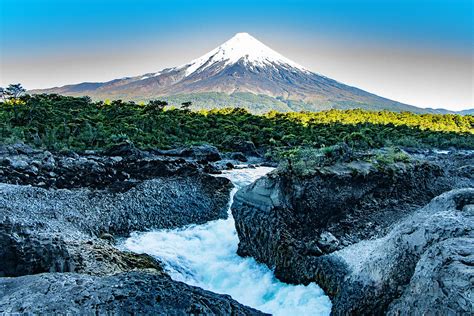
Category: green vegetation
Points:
column 219, row 100
column 261, row 104
column 393, row 155
column 58, row 122
column 13, row 91
column 305, row 161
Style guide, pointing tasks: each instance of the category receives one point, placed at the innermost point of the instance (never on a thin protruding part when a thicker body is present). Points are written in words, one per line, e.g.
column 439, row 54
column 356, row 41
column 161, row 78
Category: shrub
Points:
column 392, row 155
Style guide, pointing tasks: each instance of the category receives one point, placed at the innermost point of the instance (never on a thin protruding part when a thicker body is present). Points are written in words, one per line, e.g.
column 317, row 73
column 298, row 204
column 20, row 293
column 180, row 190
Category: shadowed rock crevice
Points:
column 359, row 230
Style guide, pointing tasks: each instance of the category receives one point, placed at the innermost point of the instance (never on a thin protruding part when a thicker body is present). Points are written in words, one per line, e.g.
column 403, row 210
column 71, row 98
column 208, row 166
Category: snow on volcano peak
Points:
column 240, row 46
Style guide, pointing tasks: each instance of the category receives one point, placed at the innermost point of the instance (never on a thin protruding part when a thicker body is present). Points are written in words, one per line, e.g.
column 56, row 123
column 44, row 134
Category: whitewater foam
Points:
column 205, row 256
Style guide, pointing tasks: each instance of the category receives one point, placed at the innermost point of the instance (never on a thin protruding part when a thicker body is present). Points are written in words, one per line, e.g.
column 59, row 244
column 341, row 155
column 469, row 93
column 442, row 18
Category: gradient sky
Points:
column 419, row 52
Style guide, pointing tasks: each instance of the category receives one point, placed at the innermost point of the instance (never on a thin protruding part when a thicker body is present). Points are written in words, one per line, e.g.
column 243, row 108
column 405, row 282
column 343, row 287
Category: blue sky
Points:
column 79, row 23
column 105, row 39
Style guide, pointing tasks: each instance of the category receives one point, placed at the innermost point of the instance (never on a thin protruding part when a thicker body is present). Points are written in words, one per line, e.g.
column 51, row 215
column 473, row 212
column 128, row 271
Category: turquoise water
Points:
column 205, row 256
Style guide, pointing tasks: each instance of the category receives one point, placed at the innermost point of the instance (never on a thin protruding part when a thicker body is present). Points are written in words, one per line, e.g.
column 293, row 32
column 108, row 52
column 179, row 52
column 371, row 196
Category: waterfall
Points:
column 206, row 256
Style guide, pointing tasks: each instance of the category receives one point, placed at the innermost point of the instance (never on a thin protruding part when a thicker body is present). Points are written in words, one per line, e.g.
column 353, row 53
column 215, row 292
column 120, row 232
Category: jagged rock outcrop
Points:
column 423, row 264
column 119, row 169
column 59, row 222
column 245, row 147
column 124, row 293
column 442, row 282
column 43, row 229
column 202, row 153
column 353, row 228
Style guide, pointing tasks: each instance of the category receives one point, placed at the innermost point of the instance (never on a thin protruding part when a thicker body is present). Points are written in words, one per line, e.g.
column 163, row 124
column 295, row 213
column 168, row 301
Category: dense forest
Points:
column 58, row 122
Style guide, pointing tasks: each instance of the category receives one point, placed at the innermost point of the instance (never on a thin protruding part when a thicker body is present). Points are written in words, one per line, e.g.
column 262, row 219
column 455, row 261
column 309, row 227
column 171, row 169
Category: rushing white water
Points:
column 205, row 256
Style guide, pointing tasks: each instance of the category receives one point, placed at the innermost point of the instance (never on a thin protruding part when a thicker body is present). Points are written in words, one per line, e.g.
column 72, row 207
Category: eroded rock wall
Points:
column 354, row 229
column 60, row 216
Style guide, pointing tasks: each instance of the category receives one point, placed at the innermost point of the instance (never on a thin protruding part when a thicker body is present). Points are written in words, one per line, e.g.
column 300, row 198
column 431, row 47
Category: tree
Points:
column 2, row 94
column 117, row 103
column 56, row 121
column 14, row 91
column 186, row 105
column 87, row 99
column 156, row 105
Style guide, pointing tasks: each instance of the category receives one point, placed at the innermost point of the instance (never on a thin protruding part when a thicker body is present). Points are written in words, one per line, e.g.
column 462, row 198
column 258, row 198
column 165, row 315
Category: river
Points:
column 205, row 256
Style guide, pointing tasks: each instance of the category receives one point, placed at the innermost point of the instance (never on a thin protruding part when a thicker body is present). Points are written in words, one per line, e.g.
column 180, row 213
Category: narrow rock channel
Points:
column 206, row 256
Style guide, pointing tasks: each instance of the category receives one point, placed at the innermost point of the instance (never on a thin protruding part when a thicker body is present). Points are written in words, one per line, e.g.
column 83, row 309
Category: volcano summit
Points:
column 242, row 72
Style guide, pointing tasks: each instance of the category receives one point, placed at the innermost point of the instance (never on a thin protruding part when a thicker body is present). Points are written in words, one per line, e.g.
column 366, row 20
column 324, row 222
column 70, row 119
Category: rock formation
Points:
column 124, row 293
column 359, row 230
column 60, row 215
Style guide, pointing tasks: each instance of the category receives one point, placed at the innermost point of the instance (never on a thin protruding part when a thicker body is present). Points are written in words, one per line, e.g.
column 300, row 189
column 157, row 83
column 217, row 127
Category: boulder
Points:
column 405, row 271
column 201, row 153
column 441, row 282
column 125, row 149
column 246, row 147
column 238, row 156
column 205, row 153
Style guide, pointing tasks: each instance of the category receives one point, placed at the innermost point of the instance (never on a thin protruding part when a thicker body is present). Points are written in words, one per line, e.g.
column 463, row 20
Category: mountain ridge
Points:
column 241, row 65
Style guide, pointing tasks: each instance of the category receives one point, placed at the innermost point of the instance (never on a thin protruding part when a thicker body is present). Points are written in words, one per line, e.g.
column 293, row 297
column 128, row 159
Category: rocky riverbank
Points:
column 378, row 234
column 60, row 214
column 134, row 292
column 361, row 230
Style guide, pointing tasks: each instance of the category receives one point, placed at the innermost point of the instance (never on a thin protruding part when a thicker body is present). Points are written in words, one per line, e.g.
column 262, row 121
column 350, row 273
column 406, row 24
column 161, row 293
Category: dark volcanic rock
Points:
column 203, row 153
column 424, row 264
column 238, row 156
column 126, row 149
column 443, row 278
column 118, row 170
column 339, row 227
column 342, row 203
column 125, row 293
column 38, row 223
column 246, row 147
column 57, row 246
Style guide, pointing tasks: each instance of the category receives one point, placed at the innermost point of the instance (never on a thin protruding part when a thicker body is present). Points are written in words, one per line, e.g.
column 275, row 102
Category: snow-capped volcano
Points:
column 242, row 72
column 241, row 47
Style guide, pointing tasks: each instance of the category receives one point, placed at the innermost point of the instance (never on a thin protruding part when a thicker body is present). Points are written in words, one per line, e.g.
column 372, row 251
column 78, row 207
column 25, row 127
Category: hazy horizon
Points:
column 415, row 52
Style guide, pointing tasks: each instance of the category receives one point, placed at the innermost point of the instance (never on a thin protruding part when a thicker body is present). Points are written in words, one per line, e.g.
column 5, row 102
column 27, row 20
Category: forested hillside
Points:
column 57, row 122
